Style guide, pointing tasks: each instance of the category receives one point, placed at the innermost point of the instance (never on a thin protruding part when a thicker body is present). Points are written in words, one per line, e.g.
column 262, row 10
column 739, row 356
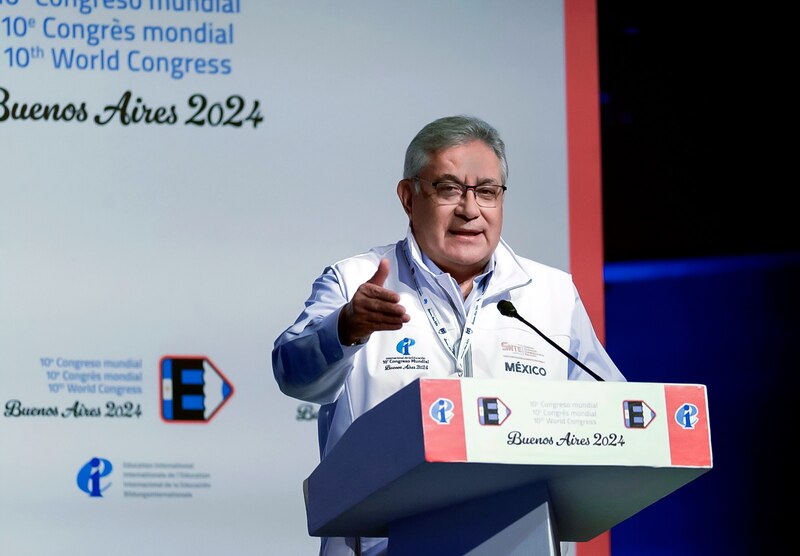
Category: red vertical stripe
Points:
column 443, row 441
column 584, row 178
column 583, row 156
column 688, row 445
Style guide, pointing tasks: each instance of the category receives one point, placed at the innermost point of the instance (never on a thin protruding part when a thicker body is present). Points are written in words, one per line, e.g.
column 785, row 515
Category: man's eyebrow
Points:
column 451, row 177
column 447, row 177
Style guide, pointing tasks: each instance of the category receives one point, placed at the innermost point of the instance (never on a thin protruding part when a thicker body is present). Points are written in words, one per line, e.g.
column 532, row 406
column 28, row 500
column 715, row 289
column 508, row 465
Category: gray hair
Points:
column 448, row 132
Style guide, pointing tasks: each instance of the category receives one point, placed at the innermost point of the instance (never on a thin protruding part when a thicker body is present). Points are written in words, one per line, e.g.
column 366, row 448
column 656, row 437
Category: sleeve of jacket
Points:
column 308, row 361
column 586, row 347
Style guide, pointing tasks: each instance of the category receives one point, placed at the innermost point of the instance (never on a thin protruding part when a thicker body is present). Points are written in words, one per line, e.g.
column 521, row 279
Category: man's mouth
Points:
column 465, row 233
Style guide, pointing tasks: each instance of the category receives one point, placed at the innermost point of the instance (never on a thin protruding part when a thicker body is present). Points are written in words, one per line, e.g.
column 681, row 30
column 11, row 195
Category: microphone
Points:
column 507, row 309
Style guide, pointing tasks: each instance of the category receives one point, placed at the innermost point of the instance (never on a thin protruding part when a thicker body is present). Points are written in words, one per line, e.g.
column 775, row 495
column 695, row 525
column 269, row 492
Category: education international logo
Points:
column 441, row 411
column 91, row 477
column 193, row 389
column 406, row 362
column 404, row 345
column 687, row 416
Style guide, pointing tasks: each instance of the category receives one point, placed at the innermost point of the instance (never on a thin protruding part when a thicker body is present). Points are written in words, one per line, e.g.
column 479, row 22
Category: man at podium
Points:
column 427, row 306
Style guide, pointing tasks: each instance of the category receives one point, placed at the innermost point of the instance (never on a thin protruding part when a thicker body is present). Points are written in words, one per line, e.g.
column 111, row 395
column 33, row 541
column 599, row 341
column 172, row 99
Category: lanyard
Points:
column 435, row 319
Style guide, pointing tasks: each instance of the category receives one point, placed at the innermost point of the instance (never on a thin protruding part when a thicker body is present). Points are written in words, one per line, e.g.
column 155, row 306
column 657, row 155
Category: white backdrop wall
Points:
column 126, row 243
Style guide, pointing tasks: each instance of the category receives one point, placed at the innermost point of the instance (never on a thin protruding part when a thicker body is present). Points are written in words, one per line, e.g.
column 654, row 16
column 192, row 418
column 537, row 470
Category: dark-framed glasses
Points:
column 448, row 192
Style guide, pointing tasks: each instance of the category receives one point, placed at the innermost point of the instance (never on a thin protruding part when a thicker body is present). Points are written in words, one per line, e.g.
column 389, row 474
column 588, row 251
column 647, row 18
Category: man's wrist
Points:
column 341, row 328
column 358, row 342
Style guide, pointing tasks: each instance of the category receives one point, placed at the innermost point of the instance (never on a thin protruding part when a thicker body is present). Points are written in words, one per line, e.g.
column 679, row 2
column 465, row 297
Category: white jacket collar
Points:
column 507, row 272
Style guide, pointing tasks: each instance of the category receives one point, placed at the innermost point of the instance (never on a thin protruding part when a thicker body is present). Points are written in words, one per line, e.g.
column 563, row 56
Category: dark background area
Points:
column 702, row 255
column 696, row 135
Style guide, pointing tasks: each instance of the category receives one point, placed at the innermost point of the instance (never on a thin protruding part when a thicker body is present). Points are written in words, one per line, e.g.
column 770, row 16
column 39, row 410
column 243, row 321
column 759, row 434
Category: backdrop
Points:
column 174, row 176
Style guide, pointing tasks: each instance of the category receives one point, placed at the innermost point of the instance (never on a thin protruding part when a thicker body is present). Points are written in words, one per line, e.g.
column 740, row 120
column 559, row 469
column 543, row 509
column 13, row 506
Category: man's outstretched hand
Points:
column 372, row 308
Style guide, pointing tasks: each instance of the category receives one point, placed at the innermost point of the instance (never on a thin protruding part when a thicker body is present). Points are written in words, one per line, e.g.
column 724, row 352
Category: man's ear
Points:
column 405, row 191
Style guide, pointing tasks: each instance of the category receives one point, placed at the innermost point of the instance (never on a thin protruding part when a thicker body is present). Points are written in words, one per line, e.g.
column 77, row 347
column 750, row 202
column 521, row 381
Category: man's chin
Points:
column 467, row 260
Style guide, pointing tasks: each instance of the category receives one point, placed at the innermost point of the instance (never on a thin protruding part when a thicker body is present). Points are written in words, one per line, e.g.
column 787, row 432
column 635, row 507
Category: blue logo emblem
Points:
column 89, row 476
column 442, row 411
column 686, row 416
column 404, row 344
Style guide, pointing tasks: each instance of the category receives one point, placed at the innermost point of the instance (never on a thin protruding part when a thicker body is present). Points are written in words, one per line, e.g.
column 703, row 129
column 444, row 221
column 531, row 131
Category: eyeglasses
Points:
column 451, row 192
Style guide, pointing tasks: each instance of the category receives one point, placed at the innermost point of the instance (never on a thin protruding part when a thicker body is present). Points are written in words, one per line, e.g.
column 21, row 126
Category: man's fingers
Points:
column 379, row 294
column 378, row 321
column 373, row 309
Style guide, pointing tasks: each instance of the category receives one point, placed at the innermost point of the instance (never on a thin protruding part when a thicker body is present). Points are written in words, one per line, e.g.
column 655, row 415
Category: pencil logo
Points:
column 192, row 389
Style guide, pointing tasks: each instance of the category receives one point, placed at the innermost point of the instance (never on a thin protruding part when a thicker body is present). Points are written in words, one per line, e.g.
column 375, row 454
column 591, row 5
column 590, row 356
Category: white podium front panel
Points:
column 566, row 423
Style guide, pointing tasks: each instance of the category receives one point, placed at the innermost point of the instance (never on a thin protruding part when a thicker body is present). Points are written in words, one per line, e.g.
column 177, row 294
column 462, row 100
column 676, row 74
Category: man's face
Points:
column 460, row 238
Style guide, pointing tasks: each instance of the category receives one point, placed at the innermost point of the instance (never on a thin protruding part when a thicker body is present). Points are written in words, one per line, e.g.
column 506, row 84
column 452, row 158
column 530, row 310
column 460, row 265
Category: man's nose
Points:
column 468, row 205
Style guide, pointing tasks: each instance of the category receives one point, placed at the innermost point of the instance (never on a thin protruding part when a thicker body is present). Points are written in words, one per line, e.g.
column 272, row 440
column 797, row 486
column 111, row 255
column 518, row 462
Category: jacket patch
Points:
column 522, row 359
column 521, row 351
column 407, row 361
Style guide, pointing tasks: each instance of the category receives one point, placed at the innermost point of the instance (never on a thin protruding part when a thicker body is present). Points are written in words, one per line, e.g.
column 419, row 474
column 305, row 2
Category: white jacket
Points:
column 310, row 363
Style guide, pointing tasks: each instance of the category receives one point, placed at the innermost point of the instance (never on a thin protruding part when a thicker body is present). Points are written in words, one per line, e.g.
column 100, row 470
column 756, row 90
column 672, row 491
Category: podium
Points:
column 496, row 466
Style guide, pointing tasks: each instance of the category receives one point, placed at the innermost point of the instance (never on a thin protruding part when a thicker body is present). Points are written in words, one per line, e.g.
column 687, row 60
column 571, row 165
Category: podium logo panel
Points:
column 442, row 409
column 689, row 431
